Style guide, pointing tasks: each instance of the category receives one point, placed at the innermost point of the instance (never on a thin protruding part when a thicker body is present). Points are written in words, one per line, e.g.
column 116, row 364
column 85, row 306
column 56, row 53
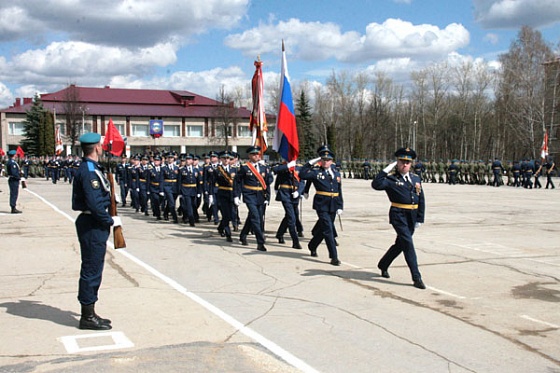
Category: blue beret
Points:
column 12, row 152
column 90, row 138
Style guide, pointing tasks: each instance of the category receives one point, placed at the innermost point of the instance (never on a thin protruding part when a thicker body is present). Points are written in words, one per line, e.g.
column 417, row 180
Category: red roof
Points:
column 131, row 102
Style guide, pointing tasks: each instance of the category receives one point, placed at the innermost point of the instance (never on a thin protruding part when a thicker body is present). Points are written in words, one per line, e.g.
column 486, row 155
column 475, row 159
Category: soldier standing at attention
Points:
column 91, row 196
column 327, row 202
column 122, row 178
column 190, row 189
column 169, row 187
column 404, row 190
column 14, row 176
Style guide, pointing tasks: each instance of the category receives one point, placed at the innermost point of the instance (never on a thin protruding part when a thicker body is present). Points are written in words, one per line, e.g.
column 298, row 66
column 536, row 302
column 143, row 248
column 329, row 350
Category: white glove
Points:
column 266, row 203
column 389, row 167
column 295, row 194
column 148, row 193
column 161, row 194
column 417, row 225
column 117, row 222
column 339, row 212
column 236, row 201
column 291, row 164
column 198, row 195
column 137, row 189
column 306, row 195
column 210, row 200
column 314, row 161
column 22, row 178
column 206, row 192
column 262, row 162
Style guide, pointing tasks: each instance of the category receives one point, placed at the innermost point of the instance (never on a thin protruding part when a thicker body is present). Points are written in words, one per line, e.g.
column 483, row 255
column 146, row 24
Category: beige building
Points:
column 191, row 123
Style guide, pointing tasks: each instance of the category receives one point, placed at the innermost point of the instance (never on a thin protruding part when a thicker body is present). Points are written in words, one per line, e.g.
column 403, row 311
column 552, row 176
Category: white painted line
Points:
column 271, row 346
column 446, row 292
column 539, row 321
column 268, row 344
column 71, row 342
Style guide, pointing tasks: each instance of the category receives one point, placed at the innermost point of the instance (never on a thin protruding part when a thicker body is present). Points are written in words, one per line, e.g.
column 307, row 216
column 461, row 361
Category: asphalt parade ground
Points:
column 182, row 299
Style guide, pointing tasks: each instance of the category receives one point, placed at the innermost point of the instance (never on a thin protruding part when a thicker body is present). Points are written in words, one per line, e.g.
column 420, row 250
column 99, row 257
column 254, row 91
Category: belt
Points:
column 170, row 180
column 189, row 185
column 86, row 212
column 225, row 188
column 404, row 206
column 286, row 186
column 154, row 184
column 252, row 187
column 328, row 194
column 143, row 180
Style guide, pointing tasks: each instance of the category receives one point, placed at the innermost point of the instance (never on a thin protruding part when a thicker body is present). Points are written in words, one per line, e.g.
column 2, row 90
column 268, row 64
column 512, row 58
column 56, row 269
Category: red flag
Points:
column 19, row 152
column 257, row 123
column 113, row 142
column 58, row 147
column 286, row 141
column 2, row 153
column 544, row 147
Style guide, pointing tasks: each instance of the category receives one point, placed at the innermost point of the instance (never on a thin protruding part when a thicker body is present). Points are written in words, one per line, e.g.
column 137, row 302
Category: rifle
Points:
column 118, row 237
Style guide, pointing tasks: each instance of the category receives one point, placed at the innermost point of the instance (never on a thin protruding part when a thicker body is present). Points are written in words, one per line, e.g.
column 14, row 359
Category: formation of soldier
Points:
column 524, row 173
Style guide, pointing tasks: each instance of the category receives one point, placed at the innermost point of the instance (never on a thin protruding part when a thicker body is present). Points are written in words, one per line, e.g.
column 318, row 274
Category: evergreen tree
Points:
column 38, row 130
column 304, row 122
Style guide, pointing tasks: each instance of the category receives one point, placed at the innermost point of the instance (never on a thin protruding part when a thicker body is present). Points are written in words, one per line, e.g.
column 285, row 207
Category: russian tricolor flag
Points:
column 286, row 141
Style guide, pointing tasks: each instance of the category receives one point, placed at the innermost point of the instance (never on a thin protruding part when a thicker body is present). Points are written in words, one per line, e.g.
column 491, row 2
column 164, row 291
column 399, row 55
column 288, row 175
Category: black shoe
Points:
column 175, row 221
column 147, row 213
column 191, row 224
column 165, row 217
column 261, row 247
column 385, row 273
column 235, row 228
column 336, row 242
column 91, row 321
column 244, row 241
column 229, row 239
column 15, row 211
column 300, row 234
column 280, row 239
column 296, row 246
column 335, row 262
column 419, row 284
column 313, row 252
column 158, row 218
column 221, row 232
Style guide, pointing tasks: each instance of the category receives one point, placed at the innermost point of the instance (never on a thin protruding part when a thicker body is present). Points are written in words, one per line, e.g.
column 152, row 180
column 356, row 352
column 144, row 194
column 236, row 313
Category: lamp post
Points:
column 414, row 135
column 83, row 119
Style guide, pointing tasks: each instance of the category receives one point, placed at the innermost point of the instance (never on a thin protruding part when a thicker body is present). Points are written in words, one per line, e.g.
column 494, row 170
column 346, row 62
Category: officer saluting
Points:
column 91, row 196
column 404, row 190
column 327, row 201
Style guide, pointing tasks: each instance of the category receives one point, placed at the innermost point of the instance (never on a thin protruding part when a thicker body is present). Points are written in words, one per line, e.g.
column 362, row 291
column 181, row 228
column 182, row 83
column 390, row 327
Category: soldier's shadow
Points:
column 37, row 310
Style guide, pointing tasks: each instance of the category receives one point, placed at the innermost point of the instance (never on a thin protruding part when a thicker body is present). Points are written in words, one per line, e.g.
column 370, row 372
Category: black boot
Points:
column 15, row 211
column 91, row 321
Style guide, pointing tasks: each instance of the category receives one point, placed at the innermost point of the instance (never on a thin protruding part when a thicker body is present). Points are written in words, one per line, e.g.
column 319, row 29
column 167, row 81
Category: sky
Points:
column 203, row 45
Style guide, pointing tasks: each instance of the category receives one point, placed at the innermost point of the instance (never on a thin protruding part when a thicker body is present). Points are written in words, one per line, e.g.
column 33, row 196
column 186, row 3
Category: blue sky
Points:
column 200, row 46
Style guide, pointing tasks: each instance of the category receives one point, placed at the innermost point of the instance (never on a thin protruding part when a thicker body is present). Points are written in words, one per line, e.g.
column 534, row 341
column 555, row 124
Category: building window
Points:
column 121, row 128
column 140, row 130
column 243, row 131
column 220, row 130
column 171, row 130
column 195, row 131
column 86, row 128
column 16, row 128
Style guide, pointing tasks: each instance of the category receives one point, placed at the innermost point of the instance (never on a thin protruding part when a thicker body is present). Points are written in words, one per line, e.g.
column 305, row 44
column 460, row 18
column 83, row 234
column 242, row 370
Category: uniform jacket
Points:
column 328, row 190
column 249, row 185
column 286, row 183
column 190, row 181
column 401, row 192
column 170, row 174
column 12, row 170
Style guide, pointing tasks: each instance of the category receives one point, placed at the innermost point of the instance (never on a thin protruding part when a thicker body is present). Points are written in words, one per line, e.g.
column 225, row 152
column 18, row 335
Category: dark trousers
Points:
column 170, row 198
column 14, row 191
column 324, row 230
column 124, row 191
column 143, row 197
column 93, row 245
column 254, row 222
column 549, row 181
column 289, row 221
column 404, row 226
column 189, row 206
column 224, row 205
column 155, row 199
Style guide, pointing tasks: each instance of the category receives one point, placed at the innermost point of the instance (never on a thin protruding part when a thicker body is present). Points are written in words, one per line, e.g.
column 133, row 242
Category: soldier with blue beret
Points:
column 405, row 192
column 14, row 176
column 328, row 201
column 91, row 196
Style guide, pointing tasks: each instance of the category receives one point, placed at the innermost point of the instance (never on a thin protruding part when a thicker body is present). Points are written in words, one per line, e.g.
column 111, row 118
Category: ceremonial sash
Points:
column 225, row 174
column 257, row 175
column 295, row 174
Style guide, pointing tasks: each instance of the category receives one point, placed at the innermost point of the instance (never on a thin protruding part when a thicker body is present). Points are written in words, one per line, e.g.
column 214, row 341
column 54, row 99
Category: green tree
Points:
column 38, row 130
column 304, row 122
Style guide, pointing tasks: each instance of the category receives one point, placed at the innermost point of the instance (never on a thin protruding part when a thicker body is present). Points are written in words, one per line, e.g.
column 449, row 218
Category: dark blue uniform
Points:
column 254, row 195
column 407, row 209
column 170, row 189
column 190, row 188
column 497, row 170
column 155, row 178
column 288, row 182
column 91, row 195
column 225, row 180
column 328, row 199
column 210, row 191
column 143, row 187
column 122, row 180
column 14, row 176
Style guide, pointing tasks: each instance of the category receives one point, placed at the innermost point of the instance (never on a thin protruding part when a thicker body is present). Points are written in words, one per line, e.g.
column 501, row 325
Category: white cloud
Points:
column 492, row 38
column 512, row 14
column 319, row 41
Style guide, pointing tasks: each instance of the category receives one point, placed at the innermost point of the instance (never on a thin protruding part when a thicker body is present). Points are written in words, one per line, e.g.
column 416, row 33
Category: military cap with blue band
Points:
column 90, row 138
column 254, row 150
column 12, row 152
column 405, row 154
